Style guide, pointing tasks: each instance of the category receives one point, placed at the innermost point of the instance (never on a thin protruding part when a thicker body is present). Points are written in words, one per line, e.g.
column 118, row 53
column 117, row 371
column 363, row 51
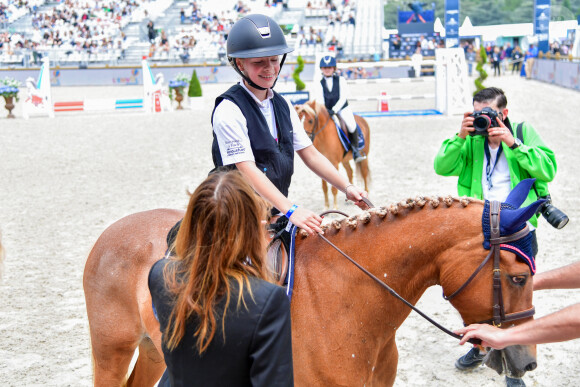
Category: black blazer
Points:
column 257, row 350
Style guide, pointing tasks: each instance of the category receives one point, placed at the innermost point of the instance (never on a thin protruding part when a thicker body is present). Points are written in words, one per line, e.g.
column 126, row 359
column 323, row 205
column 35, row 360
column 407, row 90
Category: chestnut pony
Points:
column 322, row 131
column 343, row 323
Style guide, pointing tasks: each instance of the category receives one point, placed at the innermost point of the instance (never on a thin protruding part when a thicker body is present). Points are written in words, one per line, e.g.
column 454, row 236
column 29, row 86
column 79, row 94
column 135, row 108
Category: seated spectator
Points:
column 332, row 43
column 351, row 19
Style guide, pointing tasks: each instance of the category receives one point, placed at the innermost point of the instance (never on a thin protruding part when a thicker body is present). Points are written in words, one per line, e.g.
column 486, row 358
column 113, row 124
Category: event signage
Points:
column 297, row 97
column 452, row 23
column 542, row 24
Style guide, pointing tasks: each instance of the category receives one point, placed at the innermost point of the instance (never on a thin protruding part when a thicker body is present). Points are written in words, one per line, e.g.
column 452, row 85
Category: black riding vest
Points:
column 331, row 97
column 276, row 160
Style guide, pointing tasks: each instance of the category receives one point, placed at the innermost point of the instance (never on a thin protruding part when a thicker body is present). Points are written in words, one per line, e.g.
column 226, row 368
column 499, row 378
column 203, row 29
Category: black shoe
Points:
column 356, row 154
column 470, row 360
column 514, row 382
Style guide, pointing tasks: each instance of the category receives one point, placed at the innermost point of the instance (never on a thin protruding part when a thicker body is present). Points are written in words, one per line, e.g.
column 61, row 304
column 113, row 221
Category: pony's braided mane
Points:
column 396, row 209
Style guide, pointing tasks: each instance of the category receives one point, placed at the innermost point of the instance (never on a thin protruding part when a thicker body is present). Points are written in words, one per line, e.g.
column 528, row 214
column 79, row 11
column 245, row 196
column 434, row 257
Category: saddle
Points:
column 278, row 248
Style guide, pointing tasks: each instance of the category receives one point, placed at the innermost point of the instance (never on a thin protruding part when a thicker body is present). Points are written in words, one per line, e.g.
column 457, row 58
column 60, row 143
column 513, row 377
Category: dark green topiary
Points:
column 296, row 76
column 482, row 73
column 194, row 86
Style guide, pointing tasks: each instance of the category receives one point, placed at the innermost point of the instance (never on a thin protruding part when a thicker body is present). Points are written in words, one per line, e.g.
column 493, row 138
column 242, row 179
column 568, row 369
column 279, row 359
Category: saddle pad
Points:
column 344, row 138
column 290, row 273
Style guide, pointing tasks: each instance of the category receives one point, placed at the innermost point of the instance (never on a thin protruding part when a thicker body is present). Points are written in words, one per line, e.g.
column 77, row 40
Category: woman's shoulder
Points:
column 264, row 291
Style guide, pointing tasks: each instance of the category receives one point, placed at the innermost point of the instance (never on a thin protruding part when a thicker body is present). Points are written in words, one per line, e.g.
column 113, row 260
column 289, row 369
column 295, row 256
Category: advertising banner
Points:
column 542, row 24
column 452, row 23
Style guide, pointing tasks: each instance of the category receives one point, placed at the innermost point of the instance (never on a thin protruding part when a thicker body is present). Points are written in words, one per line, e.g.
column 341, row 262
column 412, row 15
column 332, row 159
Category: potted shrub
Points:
column 296, row 75
column 177, row 87
column 9, row 88
column 194, row 92
column 481, row 60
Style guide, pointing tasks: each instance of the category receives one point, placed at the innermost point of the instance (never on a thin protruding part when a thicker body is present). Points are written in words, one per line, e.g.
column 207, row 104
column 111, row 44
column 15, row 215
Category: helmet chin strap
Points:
column 248, row 80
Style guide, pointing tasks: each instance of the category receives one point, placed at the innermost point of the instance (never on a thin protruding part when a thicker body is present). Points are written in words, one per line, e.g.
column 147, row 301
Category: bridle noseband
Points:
column 499, row 315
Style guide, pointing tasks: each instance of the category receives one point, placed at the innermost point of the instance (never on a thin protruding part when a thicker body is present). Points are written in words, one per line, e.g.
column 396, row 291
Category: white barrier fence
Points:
column 452, row 93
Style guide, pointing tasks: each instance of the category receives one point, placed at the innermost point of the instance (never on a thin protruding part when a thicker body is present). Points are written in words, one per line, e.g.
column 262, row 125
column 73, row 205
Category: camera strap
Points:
column 489, row 168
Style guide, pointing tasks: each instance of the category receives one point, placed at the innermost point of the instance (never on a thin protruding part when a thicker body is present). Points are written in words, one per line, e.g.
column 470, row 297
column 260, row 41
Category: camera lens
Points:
column 481, row 122
column 555, row 217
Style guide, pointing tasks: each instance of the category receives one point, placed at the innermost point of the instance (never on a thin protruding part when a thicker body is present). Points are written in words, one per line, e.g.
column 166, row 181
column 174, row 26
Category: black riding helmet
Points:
column 256, row 36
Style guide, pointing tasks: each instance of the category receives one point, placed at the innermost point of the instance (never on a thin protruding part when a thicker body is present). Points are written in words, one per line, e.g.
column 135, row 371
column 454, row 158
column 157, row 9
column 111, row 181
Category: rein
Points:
column 499, row 315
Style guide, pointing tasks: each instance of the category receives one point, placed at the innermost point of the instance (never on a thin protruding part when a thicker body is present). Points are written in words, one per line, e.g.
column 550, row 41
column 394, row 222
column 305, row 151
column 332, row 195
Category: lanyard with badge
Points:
column 489, row 168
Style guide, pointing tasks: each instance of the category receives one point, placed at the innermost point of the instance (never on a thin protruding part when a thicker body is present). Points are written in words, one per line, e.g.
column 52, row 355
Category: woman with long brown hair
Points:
column 223, row 322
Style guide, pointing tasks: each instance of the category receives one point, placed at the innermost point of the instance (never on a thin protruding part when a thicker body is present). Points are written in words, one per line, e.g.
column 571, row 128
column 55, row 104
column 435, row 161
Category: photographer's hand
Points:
column 501, row 133
column 466, row 125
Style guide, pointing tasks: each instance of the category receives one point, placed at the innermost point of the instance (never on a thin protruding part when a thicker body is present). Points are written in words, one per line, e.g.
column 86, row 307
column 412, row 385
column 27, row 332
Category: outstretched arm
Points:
column 559, row 326
column 302, row 217
column 566, row 277
column 325, row 170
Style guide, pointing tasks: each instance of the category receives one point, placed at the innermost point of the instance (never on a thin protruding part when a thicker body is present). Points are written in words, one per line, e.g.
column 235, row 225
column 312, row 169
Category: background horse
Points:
column 322, row 131
column 343, row 324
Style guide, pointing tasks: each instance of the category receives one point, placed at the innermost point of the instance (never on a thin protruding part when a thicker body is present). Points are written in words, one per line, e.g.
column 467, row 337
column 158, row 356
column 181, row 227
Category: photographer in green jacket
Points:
column 490, row 160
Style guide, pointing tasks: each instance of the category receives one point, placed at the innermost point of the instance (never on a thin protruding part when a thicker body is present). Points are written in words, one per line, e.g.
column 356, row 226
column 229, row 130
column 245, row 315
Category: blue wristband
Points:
column 291, row 211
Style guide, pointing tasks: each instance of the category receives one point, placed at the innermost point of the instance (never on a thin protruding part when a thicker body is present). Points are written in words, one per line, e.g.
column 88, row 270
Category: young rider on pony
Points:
column 257, row 131
column 332, row 91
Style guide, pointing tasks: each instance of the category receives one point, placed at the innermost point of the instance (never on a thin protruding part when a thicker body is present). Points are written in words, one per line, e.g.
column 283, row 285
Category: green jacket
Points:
column 465, row 157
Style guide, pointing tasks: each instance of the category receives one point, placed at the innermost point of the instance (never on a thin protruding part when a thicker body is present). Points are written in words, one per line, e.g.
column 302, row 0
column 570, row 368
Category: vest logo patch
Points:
column 234, row 147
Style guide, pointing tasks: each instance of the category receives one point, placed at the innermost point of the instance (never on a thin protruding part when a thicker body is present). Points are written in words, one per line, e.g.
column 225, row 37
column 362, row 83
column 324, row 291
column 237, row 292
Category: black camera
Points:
column 554, row 216
column 483, row 120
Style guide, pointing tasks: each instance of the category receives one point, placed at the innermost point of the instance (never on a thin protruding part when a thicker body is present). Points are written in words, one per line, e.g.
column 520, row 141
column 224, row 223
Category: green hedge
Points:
column 296, row 75
column 194, row 86
column 482, row 73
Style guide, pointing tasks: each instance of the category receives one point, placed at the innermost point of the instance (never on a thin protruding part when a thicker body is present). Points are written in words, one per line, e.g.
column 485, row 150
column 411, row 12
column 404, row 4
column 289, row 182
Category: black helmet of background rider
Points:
column 256, row 36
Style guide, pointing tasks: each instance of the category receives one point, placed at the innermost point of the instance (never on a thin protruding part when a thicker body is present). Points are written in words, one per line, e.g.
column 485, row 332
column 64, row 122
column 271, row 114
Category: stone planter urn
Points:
column 178, row 98
column 9, row 106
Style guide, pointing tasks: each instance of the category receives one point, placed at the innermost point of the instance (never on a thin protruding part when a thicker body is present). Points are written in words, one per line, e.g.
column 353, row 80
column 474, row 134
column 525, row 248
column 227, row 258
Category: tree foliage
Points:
column 485, row 12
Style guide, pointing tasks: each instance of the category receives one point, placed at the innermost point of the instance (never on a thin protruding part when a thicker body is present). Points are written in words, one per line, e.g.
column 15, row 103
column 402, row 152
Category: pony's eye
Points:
column 310, row 121
column 519, row 280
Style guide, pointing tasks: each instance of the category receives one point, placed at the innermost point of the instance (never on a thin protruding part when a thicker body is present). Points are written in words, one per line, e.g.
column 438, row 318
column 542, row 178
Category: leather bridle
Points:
column 314, row 132
column 499, row 315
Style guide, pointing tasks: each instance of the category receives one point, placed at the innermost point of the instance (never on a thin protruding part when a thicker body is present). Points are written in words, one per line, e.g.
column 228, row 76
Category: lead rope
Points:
column 387, row 287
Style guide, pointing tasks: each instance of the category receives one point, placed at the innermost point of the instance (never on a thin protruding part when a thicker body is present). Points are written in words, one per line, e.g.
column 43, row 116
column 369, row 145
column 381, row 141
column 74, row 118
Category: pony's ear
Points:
column 511, row 221
column 520, row 192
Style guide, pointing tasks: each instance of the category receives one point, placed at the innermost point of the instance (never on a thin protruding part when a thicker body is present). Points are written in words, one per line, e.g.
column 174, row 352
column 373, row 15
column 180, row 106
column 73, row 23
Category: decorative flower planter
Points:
column 9, row 106
column 178, row 98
